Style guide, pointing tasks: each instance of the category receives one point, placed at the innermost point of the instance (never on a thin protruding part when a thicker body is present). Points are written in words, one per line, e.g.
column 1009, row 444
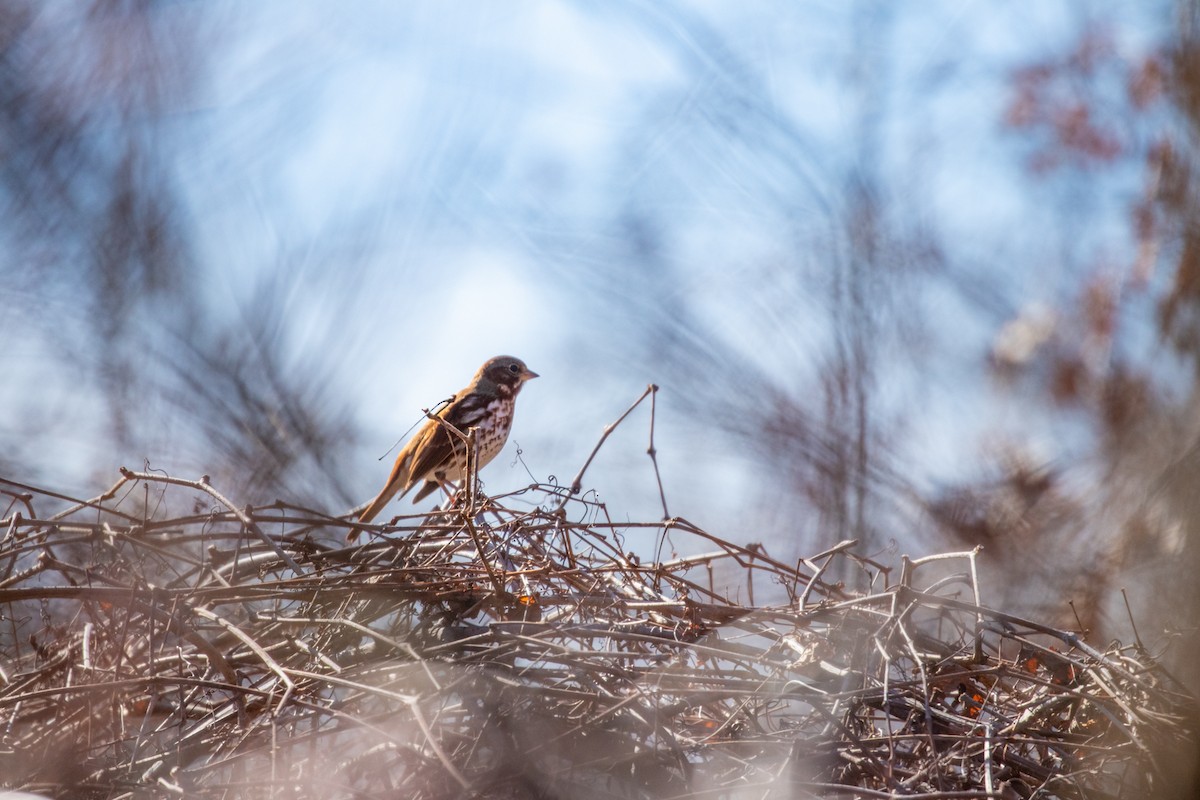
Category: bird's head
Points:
column 506, row 373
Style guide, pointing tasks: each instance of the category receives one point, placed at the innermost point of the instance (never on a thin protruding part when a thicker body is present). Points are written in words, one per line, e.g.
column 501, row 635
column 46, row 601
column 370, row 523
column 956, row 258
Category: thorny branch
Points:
column 496, row 646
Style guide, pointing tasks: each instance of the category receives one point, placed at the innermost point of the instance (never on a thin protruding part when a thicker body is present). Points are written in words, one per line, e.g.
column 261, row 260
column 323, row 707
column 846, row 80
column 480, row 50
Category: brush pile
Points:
column 512, row 647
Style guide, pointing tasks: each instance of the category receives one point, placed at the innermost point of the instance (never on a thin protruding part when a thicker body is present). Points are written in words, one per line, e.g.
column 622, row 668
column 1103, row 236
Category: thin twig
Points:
column 204, row 486
column 577, row 483
column 468, row 515
column 653, row 453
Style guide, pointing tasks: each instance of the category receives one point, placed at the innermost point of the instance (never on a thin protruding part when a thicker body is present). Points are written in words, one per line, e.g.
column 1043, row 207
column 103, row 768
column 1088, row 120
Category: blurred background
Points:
column 924, row 275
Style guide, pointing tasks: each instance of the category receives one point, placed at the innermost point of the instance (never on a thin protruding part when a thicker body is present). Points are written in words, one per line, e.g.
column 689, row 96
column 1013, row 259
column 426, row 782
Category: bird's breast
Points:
column 493, row 429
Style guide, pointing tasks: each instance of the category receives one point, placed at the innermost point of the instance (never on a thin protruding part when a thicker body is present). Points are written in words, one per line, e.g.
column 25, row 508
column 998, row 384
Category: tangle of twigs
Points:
column 520, row 651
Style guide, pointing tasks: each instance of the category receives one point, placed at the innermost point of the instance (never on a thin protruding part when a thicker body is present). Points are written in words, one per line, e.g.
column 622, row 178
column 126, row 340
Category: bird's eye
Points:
column 513, row 368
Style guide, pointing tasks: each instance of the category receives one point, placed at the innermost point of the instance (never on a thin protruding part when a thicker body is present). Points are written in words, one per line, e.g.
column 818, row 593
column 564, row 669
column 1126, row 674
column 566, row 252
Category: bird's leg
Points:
column 457, row 495
column 452, row 492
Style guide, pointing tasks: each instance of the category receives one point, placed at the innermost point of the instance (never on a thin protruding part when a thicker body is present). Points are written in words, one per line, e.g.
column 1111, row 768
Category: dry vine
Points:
column 516, row 649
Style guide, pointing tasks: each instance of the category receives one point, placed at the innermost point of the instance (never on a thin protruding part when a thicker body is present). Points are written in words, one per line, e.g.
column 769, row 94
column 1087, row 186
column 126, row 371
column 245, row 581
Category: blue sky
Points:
column 439, row 183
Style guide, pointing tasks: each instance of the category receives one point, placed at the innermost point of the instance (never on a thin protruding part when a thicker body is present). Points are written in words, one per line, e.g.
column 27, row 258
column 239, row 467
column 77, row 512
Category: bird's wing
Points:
column 439, row 444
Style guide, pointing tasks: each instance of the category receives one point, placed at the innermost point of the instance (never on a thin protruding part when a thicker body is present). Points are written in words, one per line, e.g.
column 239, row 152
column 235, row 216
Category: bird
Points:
column 437, row 455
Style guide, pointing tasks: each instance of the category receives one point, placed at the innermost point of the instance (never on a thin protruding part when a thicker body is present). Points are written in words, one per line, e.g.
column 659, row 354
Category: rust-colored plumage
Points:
column 437, row 455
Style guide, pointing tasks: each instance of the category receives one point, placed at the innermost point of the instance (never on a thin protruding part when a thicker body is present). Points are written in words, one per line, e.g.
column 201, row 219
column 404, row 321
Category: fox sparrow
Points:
column 436, row 454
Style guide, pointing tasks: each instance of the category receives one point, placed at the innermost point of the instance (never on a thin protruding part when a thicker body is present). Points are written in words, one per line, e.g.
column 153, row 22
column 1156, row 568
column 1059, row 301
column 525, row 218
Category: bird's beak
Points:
column 529, row 375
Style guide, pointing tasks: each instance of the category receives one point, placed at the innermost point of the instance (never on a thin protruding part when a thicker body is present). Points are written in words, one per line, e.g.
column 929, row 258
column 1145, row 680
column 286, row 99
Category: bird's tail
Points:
column 371, row 511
